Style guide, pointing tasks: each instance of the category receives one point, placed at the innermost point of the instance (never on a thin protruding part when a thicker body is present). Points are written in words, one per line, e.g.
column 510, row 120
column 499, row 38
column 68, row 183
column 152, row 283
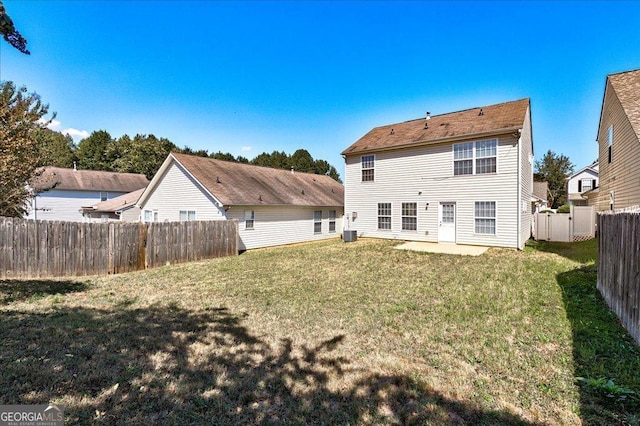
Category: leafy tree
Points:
column 554, row 169
column 55, row 149
column 9, row 32
column 302, row 161
column 142, row 154
column 199, row 153
column 97, row 151
column 225, row 156
column 21, row 118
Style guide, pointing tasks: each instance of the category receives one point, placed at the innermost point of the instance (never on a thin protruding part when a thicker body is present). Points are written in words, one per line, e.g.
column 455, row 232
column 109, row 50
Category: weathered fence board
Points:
column 32, row 249
column 619, row 267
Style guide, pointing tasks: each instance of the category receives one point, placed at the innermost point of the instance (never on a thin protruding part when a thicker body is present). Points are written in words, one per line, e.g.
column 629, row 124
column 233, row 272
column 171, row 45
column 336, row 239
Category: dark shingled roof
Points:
column 494, row 119
column 627, row 87
column 88, row 180
column 248, row 185
column 541, row 190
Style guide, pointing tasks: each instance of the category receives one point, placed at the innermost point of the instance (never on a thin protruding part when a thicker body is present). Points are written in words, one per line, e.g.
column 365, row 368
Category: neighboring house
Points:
column 273, row 206
column 619, row 142
column 464, row 177
column 122, row 208
column 579, row 183
column 62, row 193
column 540, row 197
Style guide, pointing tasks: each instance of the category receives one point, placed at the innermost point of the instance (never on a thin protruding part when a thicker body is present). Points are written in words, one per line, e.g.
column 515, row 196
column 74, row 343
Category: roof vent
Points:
column 260, row 198
column 74, row 167
column 303, row 192
column 392, row 132
column 481, row 112
column 217, row 179
column 292, row 170
column 426, row 121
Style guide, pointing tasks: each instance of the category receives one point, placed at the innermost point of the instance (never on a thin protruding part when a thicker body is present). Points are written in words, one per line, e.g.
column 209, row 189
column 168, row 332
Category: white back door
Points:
column 447, row 222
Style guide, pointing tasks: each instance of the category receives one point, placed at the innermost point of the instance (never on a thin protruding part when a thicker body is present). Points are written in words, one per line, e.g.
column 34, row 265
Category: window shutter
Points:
column 593, row 183
column 580, row 186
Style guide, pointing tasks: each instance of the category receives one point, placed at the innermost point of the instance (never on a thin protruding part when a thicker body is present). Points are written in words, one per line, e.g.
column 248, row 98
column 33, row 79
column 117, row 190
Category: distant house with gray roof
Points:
column 122, row 208
column 273, row 206
column 62, row 193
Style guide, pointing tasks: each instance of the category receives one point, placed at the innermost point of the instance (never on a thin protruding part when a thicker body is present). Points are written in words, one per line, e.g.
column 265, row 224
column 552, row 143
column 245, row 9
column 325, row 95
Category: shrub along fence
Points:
column 619, row 266
column 30, row 249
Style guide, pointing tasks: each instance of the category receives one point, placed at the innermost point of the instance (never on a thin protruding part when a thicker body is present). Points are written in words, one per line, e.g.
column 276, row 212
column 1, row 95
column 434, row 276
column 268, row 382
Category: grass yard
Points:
column 327, row 333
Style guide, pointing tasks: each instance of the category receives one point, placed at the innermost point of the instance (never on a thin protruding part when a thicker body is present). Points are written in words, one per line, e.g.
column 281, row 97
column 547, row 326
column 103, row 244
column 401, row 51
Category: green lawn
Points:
column 327, row 333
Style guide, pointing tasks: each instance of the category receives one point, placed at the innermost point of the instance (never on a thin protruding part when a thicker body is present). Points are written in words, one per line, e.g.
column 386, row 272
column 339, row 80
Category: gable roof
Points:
column 593, row 167
column 475, row 122
column 88, row 180
column 248, row 185
column 122, row 202
column 626, row 86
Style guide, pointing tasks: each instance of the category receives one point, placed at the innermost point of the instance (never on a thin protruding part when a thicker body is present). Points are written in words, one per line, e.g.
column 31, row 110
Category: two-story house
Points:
column 580, row 183
column 61, row 194
column 619, row 142
column 464, row 177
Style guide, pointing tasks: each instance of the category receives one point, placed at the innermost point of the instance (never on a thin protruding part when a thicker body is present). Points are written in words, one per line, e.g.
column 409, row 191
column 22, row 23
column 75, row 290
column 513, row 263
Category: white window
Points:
column 187, row 215
column 155, row 215
column 368, row 163
column 104, row 196
column 148, row 216
column 485, row 217
column 104, row 218
column 585, row 185
column 317, row 221
column 475, row 157
column 249, row 219
column 332, row 221
column 463, row 158
column 384, row 216
column 409, row 216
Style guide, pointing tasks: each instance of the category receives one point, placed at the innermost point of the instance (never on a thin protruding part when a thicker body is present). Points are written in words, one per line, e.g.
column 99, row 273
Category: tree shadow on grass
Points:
column 19, row 290
column 163, row 365
column 602, row 349
column 581, row 252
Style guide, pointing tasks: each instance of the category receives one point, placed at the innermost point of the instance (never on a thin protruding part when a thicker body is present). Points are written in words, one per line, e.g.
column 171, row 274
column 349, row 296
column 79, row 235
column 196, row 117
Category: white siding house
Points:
column 464, row 177
column 582, row 181
column 122, row 208
column 273, row 207
column 62, row 193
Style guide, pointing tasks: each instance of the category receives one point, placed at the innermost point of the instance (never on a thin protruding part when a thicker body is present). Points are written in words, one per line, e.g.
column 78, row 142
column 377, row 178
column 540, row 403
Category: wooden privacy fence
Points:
column 30, row 249
column 619, row 267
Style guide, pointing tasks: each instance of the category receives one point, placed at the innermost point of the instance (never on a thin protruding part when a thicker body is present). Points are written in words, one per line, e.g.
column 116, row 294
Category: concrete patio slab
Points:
column 443, row 248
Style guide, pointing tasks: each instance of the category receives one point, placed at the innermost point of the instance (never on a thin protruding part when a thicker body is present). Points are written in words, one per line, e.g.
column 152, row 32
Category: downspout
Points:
column 519, row 202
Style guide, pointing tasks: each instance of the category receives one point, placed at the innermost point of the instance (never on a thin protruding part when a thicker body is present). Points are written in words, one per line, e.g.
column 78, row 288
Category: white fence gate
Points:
column 577, row 225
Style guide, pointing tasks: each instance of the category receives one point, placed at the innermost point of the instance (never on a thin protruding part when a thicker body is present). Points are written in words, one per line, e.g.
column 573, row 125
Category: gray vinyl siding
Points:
column 130, row 215
column 526, row 180
column 65, row 205
column 424, row 175
column 278, row 225
column 176, row 191
column 622, row 175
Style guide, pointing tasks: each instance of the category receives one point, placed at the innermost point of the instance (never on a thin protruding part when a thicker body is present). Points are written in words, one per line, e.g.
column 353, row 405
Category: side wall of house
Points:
column 177, row 191
column 424, row 175
column 61, row 204
column 526, row 179
column 622, row 174
column 278, row 225
column 131, row 215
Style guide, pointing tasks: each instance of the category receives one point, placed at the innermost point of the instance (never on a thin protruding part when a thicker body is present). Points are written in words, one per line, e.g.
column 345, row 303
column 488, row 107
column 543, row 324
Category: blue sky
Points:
column 249, row 77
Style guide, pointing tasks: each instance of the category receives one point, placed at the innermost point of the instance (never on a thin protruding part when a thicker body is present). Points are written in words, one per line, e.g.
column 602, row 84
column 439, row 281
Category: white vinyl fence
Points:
column 577, row 225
